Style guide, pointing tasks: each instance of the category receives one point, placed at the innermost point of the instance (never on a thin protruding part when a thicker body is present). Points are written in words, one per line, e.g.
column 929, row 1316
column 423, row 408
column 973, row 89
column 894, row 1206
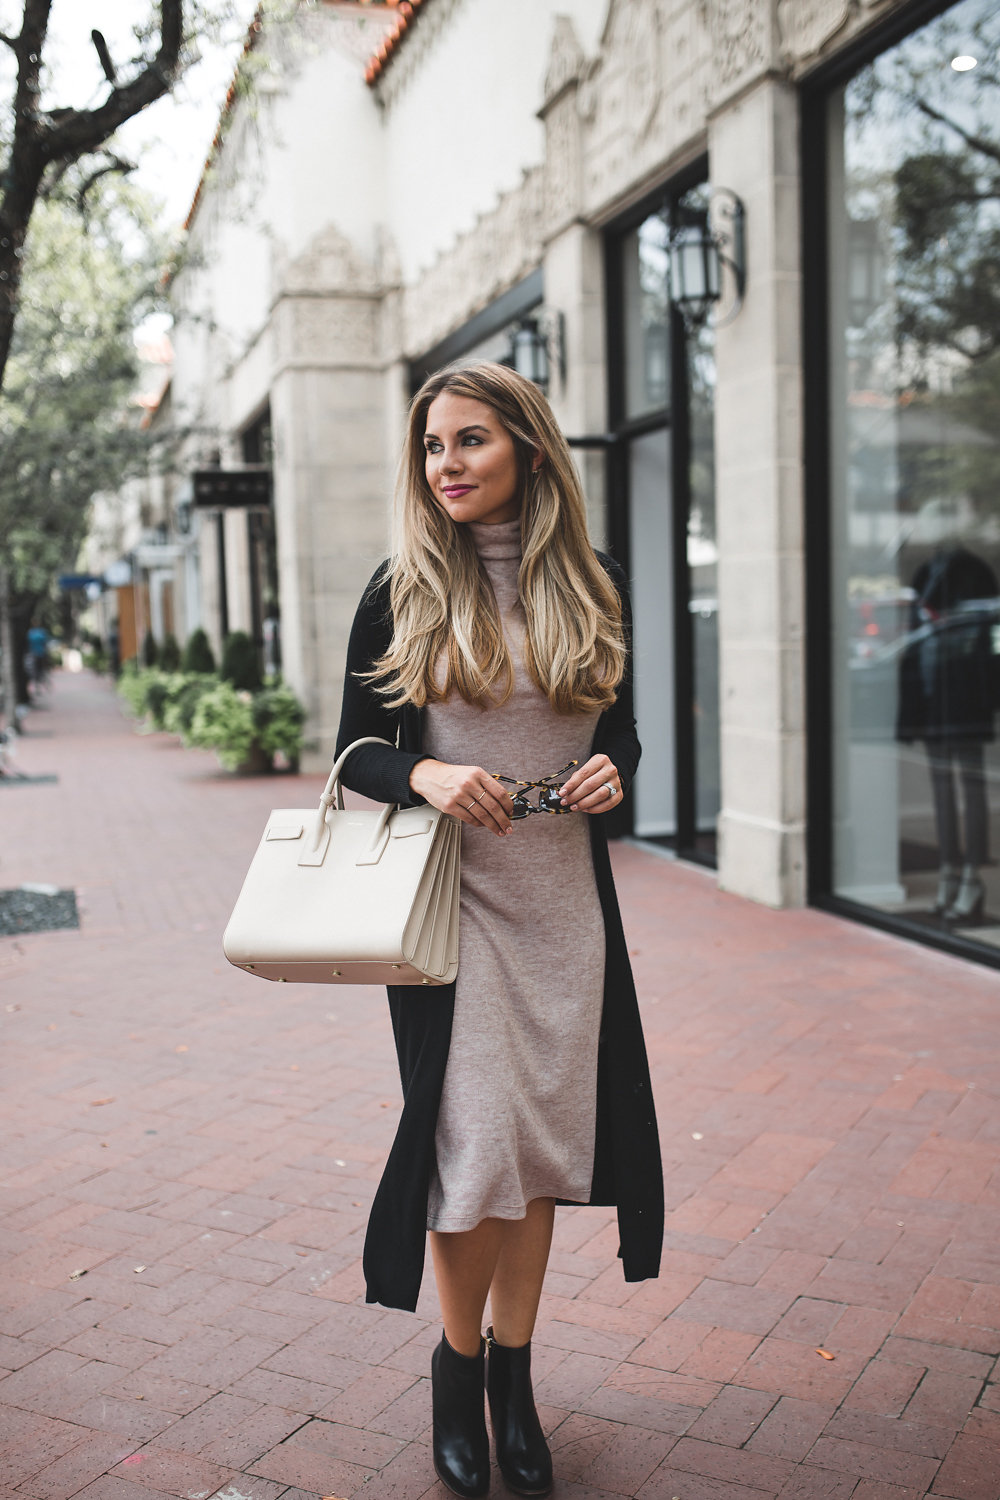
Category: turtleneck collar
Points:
column 497, row 542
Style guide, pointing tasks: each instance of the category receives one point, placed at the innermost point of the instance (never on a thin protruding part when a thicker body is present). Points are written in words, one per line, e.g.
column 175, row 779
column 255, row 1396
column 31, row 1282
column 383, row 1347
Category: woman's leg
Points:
column 463, row 1269
column 522, row 1452
column 520, row 1270
column 505, row 1258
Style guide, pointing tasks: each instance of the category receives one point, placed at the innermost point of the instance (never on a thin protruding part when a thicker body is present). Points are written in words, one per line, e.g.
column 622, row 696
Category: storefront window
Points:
column 914, row 304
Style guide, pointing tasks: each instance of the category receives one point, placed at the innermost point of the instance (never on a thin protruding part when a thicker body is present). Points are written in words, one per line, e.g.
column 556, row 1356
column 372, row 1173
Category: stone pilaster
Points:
column 753, row 150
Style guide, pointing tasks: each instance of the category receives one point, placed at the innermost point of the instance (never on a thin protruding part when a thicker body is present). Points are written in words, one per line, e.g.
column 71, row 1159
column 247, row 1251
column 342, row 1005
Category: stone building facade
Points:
column 416, row 182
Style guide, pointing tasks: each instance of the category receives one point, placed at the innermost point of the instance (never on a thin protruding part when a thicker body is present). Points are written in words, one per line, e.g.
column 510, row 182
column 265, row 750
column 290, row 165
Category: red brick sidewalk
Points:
column 204, row 1147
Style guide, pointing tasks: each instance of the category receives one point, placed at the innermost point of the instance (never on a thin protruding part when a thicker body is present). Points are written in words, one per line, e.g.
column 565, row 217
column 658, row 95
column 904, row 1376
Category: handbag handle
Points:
column 333, row 796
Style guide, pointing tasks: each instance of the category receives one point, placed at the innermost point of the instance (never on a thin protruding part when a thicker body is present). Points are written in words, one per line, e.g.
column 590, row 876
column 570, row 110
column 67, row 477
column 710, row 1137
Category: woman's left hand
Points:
column 593, row 788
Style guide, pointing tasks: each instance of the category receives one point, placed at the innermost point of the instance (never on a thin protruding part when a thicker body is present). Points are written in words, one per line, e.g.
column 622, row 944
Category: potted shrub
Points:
column 240, row 662
column 278, row 719
column 143, row 690
column 184, row 693
column 198, row 655
column 170, row 654
column 223, row 722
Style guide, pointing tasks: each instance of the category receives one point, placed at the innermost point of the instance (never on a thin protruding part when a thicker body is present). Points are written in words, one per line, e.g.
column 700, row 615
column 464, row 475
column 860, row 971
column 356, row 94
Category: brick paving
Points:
column 204, row 1147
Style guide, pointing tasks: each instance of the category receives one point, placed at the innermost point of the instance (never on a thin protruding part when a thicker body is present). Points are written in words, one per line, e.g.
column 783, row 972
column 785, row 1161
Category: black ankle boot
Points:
column 522, row 1452
column 461, row 1447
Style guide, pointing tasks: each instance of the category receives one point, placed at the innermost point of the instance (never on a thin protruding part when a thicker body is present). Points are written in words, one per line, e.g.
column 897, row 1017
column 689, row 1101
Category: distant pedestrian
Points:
column 37, row 656
column 493, row 648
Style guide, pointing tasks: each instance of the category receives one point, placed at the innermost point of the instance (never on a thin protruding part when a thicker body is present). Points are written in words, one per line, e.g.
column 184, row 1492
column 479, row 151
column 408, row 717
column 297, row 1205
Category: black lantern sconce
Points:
column 529, row 354
column 708, row 262
column 537, row 346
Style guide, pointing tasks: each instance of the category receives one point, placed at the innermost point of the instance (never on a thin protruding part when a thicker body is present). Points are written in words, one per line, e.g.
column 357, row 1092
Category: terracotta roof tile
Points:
column 409, row 13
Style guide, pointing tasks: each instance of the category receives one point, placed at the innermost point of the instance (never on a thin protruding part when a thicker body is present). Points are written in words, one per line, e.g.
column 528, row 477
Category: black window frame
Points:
column 673, row 417
column 816, row 87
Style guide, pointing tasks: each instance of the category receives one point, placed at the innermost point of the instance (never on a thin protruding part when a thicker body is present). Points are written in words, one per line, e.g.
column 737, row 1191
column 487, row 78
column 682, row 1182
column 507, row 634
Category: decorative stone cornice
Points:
column 566, row 63
column 504, row 246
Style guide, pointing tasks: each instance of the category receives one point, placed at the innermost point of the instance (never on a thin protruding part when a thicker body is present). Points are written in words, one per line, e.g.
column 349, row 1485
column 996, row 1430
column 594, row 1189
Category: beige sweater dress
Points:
column 518, row 1109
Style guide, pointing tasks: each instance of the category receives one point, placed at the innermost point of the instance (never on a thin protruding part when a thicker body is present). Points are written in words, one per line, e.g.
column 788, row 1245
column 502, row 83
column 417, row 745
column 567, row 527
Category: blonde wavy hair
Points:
column 448, row 635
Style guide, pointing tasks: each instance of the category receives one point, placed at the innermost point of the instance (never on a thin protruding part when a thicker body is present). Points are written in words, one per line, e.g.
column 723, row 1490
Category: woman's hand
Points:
column 466, row 792
column 594, row 787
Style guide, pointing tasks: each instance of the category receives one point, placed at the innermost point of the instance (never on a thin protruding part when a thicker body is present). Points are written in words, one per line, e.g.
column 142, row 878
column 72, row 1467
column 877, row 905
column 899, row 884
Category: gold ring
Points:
column 480, row 798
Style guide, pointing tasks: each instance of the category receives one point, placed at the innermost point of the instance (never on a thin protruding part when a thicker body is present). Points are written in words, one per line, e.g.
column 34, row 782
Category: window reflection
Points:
column 646, row 334
column 915, row 455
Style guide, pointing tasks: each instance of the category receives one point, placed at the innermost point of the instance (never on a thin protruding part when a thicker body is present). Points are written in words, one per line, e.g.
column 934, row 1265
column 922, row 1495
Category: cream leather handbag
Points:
column 351, row 896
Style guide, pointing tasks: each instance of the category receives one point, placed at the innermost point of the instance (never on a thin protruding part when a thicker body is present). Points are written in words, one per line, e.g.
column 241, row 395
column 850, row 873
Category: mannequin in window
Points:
column 948, row 699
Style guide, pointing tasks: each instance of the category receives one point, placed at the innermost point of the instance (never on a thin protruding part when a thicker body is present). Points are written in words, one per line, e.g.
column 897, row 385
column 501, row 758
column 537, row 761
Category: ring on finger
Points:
column 485, row 790
column 611, row 790
column 469, row 806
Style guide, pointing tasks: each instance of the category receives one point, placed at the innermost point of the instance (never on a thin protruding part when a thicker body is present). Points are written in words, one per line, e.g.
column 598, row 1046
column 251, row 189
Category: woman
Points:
column 492, row 649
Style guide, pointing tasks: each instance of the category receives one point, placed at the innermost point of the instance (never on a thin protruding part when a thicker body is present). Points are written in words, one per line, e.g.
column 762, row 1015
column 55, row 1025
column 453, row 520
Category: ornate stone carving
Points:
column 634, row 100
column 743, row 42
column 566, row 61
column 329, row 263
column 805, row 26
column 327, row 331
column 645, row 71
column 562, row 164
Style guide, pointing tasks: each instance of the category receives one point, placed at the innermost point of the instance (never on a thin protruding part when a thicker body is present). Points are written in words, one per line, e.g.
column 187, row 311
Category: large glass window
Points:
column 914, row 306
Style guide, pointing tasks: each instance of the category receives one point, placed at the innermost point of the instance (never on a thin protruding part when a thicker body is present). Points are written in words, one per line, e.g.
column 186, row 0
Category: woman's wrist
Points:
column 417, row 773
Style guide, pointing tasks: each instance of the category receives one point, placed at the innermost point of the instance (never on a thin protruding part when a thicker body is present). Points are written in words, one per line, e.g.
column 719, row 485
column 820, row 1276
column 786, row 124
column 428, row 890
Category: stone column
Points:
column 753, row 149
column 328, row 408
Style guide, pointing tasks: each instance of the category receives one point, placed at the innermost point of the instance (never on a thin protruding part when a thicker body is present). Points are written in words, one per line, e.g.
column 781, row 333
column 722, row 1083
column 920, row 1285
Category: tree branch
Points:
column 9, row 41
column 113, row 164
column 977, row 142
column 83, row 130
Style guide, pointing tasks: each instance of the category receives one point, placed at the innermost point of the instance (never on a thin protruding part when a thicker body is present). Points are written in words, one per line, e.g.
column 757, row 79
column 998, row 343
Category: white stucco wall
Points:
column 461, row 122
column 306, row 155
column 323, row 163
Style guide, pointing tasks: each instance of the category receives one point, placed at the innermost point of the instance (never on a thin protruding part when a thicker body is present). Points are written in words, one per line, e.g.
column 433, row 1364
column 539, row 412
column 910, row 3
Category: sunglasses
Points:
column 548, row 788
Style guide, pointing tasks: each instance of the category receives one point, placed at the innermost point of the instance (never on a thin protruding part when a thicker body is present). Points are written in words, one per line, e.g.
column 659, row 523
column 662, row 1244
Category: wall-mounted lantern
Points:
column 537, row 346
column 708, row 261
column 529, row 354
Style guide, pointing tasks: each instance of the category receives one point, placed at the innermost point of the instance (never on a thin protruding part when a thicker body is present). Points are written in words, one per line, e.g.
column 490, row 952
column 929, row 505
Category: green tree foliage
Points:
column 150, row 650
column 40, row 136
column 66, row 429
column 43, row 143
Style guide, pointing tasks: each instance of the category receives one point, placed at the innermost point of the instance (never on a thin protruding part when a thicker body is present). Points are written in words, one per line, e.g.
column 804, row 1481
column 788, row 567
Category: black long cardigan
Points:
column 627, row 1169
